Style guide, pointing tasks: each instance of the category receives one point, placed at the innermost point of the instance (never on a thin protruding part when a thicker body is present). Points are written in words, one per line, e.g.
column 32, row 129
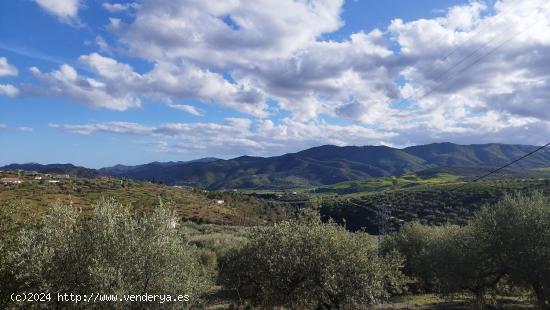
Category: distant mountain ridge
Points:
column 330, row 164
column 119, row 170
column 69, row 169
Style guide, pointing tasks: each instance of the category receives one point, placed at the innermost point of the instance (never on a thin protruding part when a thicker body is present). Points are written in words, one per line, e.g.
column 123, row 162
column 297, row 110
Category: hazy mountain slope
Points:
column 123, row 170
column 330, row 164
column 454, row 155
column 54, row 168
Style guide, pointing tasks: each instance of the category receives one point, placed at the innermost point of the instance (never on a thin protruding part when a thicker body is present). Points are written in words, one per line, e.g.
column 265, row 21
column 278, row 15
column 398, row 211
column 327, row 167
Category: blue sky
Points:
column 97, row 83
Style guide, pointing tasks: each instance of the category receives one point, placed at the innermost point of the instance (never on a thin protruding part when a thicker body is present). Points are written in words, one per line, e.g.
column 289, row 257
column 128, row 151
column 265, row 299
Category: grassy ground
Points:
column 435, row 302
column 406, row 181
column 545, row 169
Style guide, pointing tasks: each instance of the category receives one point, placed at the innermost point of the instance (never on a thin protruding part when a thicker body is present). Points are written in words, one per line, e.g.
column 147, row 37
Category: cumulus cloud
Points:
column 9, row 90
column 477, row 71
column 228, row 32
column 66, row 82
column 6, row 69
column 65, row 10
column 280, row 53
column 494, row 63
column 117, row 86
column 236, row 136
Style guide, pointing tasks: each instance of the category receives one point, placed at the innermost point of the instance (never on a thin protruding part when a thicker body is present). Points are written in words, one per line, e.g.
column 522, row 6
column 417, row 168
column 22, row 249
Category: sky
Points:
column 98, row 83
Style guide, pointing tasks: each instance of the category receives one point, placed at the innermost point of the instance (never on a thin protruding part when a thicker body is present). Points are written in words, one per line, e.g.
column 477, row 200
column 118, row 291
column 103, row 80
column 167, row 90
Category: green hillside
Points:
column 35, row 196
column 436, row 204
column 325, row 165
column 405, row 181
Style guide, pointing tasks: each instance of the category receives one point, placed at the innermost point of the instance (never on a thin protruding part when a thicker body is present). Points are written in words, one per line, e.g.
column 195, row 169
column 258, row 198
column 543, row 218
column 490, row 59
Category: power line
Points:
column 511, row 10
column 502, row 167
column 476, row 61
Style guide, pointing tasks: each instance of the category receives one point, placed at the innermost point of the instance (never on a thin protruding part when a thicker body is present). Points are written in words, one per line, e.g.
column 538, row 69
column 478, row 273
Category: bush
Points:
column 446, row 259
column 509, row 240
column 414, row 242
column 306, row 264
column 9, row 229
column 461, row 262
column 517, row 231
column 113, row 252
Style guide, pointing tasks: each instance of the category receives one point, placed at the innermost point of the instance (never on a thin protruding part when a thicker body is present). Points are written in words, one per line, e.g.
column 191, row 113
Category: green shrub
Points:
column 517, row 231
column 9, row 230
column 414, row 242
column 113, row 252
column 307, row 264
column 509, row 240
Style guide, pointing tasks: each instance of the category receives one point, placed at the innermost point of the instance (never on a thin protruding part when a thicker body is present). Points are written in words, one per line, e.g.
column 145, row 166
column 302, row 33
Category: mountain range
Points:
column 328, row 164
column 69, row 169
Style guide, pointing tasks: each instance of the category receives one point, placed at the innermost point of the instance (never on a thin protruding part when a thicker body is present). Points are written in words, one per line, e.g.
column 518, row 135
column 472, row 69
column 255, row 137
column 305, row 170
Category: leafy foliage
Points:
column 307, row 264
column 509, row 240
column 114, row 252
column 517, row 235
column 440, row 205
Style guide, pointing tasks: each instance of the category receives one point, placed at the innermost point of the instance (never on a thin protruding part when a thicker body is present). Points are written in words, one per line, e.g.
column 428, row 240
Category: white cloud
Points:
column 112, row 127
column 68, row 83
column 478, row 71
column 228, row 32
column 186, row 108
column 65, row 10
column 25, row 129
column 495, row 65
column 237, row 136
column 6, row 69
column 118, row 87
column 102, row 44
column 119, row 7
column 109, row 68
column 9, row 90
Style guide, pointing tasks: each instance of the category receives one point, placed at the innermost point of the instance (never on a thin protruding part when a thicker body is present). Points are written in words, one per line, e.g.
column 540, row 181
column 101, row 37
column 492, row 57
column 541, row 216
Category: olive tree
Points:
column 9, row 231
column 510, row 239
column 307, row 264
column 414, row 242
column 461, row 262
column 445, row 259
column 517, row 230
column 112, row 252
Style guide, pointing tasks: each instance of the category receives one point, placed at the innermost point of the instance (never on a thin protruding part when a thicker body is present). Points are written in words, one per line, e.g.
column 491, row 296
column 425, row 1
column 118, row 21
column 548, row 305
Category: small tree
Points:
column 509, row 239
column 113, row 252
column 307, row 264
column 9, row 230
column 517, row 230
column 461, row 261
column 414, row 242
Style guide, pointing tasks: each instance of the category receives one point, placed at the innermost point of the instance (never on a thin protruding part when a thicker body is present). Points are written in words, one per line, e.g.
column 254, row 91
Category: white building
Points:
column 11, row 181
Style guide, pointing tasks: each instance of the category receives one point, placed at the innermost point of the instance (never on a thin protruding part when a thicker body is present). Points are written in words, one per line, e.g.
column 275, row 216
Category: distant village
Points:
column 21, row 177
column 10, row 178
